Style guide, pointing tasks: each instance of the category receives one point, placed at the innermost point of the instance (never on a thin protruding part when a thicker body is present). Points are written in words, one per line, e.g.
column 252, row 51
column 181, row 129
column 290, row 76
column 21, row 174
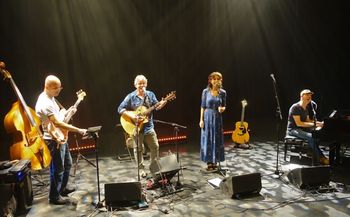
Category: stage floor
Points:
column 278, row 197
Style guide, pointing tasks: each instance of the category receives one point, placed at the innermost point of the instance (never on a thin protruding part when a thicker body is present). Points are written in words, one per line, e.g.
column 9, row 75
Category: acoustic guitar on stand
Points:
column 61, row 135
column 143, row 112
column 240, row 135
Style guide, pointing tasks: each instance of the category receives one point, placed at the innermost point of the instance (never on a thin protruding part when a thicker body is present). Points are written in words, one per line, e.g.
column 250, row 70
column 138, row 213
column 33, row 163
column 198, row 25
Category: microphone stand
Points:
column 137, row 123
column 278, row 123
column 315, row 128
column 176, row 130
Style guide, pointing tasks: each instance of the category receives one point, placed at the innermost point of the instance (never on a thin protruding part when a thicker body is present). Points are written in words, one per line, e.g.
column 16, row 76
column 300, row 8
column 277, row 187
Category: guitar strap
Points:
column 59, row 104
column 146, row 101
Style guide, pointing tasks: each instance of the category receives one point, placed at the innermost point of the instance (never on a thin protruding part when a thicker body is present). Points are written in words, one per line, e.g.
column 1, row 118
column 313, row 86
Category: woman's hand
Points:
column 221, row 109
column 201, row 124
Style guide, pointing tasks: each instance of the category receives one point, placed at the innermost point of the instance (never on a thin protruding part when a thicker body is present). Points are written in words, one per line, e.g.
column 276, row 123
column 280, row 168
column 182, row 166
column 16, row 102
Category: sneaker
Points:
column 324, row 161
column 59, row 201
column 143, row 174
column 67, row 191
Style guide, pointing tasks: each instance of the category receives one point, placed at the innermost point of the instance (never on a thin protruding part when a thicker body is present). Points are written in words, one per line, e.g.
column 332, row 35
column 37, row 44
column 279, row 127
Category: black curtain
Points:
column 100, row 46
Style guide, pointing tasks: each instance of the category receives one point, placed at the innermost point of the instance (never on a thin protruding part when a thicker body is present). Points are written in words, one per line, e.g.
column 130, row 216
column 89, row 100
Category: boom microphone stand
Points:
column 278, row 123
column 176, row 131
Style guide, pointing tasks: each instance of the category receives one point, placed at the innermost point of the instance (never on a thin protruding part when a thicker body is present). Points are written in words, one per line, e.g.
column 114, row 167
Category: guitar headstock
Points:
column 170, row 96
column 3, row 70
column 81, row 94
column 244, row 103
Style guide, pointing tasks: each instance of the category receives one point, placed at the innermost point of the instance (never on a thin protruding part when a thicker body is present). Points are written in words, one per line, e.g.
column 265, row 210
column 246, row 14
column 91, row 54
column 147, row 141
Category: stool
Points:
column 292, row 140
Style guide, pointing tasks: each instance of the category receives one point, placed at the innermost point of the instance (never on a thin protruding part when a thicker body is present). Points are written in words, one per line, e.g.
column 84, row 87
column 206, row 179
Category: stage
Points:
column 277, row 197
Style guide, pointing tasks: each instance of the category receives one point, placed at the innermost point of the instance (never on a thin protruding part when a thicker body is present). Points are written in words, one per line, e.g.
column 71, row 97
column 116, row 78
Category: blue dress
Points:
column 212, row 137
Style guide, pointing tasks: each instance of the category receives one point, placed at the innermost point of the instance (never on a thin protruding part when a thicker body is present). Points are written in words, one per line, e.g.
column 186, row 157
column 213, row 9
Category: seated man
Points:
column 300, row 125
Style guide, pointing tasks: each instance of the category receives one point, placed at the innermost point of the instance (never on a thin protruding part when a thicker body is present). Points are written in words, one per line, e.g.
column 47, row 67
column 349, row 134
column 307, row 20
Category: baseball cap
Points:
column 306, row 91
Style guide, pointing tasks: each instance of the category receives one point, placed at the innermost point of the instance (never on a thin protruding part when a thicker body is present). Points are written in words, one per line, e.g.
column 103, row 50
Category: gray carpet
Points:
column 278, row 197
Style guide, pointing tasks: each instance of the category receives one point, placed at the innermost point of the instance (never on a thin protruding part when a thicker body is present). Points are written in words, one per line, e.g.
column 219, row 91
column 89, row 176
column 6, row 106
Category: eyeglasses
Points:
column 56, row 88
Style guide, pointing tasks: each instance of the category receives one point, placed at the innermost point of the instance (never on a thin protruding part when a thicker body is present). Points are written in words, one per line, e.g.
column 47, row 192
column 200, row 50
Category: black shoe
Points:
column 67, row 191
column 59, row 201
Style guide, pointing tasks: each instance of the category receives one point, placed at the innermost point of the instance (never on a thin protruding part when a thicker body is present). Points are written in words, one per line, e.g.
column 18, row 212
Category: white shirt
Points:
column 45, row 107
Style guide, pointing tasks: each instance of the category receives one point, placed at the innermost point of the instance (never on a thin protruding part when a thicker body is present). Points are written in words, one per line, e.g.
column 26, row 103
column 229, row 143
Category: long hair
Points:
column 211, row 76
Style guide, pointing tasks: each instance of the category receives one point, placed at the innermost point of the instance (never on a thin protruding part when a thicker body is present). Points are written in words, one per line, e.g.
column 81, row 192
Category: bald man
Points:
column 49, row 113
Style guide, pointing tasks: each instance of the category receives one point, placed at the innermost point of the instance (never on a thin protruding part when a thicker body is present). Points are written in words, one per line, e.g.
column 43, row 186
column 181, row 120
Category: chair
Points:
column 294, row 141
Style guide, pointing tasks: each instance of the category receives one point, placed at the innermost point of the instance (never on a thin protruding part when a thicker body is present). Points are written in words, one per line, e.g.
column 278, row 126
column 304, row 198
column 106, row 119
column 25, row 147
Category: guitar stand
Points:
column 125, row 156
column 79, row 155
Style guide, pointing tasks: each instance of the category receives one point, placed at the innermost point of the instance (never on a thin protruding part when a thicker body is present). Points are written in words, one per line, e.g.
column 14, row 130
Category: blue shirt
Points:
column 132, row 102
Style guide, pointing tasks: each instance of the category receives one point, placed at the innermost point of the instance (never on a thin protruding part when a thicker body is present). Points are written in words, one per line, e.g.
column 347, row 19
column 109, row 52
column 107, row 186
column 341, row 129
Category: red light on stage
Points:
column 172, row 139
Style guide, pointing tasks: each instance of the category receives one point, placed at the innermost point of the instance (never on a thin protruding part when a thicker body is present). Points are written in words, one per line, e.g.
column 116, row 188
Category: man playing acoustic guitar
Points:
column 49, row 113
column 136, row 113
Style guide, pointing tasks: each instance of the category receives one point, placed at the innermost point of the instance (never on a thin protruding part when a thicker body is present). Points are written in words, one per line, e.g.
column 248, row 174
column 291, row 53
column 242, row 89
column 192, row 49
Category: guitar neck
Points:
column 77, row 103
column 70, row 113
column 242, row 115
column 150, row 109
column 23, row 103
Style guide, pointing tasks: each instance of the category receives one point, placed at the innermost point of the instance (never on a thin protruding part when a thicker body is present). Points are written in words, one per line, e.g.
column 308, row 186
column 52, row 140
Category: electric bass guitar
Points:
column 240, row 135
column 61, row 135
column 143, row 113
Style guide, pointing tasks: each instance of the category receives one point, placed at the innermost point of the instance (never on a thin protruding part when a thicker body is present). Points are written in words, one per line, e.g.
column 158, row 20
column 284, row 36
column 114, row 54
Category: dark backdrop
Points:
column 100, row 46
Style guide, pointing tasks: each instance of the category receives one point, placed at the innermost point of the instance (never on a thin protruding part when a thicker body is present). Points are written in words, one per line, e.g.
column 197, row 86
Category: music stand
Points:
column 92, row 133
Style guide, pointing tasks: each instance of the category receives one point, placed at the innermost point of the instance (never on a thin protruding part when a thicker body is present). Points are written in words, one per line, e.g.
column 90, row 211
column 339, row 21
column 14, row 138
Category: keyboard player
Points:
column 301, row 125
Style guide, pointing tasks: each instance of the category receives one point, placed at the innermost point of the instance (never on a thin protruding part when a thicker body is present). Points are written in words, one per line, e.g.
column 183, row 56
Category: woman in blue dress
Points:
column 213, row 104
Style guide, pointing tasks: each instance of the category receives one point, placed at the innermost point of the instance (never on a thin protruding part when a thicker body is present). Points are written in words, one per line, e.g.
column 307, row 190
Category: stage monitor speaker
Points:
column 305, row 177
column 165, row 167
column 122, row 194
column 237, row 186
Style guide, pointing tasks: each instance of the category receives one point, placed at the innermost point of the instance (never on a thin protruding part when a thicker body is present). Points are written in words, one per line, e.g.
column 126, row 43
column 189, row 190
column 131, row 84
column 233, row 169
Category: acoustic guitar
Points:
column 143, row 112
column 61, row 135
column 240, row 135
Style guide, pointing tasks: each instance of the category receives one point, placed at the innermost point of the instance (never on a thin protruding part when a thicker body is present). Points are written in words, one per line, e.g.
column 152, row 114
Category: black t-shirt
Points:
column 296, row 109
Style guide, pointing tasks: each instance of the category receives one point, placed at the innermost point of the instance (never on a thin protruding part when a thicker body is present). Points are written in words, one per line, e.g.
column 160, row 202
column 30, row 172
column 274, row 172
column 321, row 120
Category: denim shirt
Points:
column 132, row 102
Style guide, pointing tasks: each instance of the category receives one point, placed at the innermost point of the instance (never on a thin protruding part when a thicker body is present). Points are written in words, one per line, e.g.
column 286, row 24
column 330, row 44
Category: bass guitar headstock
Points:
column 81, row 94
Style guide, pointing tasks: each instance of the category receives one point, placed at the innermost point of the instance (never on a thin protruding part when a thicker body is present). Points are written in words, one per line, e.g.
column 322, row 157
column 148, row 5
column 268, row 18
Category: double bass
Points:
column 23, row 123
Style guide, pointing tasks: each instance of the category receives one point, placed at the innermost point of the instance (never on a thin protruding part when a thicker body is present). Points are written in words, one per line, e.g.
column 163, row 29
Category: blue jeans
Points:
column 60, row 166
column 311, row 141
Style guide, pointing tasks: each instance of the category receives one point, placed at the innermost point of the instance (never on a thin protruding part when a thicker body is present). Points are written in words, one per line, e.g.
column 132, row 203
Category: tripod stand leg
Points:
column 76, row 164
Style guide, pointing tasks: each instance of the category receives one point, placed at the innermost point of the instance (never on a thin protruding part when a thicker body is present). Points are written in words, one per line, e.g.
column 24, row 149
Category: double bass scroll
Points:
column 23, row 123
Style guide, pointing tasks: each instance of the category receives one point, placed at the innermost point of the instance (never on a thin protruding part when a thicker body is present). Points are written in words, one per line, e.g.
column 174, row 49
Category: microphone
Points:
column 313, row 104
column 273, row 78
column 218, row 84
column 144, row 89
